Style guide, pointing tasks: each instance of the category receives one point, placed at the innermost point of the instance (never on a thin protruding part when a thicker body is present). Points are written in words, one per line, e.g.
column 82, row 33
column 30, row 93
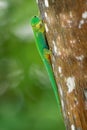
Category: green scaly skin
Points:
column 44, row 52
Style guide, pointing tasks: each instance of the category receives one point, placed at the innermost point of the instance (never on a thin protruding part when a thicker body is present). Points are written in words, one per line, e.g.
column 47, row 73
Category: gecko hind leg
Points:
column 47, row 54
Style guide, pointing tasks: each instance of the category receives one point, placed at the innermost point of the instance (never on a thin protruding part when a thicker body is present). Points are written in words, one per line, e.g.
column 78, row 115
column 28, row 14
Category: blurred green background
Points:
column 27, row 101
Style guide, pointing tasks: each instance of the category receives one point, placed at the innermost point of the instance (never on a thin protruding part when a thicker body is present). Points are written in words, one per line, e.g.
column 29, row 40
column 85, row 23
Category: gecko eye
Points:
column 35, row 16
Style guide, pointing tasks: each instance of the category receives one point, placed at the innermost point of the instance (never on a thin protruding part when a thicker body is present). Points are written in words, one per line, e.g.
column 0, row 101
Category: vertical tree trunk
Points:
column 66, row 31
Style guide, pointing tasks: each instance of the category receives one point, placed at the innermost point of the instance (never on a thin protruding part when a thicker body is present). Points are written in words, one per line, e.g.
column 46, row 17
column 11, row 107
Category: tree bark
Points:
column 66, row 31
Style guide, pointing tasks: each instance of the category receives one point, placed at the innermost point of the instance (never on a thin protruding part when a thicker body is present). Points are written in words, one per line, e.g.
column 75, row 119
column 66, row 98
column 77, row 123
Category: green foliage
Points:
column 27, row 101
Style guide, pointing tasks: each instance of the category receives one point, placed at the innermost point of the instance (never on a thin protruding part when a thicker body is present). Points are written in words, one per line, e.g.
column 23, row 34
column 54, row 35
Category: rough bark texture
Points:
column 66, row 30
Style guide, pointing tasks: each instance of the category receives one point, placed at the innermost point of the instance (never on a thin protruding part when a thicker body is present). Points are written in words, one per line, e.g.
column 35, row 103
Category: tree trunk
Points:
column 66, row 31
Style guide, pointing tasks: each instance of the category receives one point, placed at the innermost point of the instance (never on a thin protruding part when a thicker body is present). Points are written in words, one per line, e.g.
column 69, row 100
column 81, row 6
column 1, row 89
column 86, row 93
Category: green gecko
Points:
column 39, row 31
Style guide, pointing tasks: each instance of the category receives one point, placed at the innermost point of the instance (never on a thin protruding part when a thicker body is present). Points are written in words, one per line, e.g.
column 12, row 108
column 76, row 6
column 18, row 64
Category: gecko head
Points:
column 37, row 24
column 35, row 20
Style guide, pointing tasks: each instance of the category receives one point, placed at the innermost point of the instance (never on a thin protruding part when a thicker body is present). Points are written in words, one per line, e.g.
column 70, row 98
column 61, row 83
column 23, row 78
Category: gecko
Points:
column 45, row 52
